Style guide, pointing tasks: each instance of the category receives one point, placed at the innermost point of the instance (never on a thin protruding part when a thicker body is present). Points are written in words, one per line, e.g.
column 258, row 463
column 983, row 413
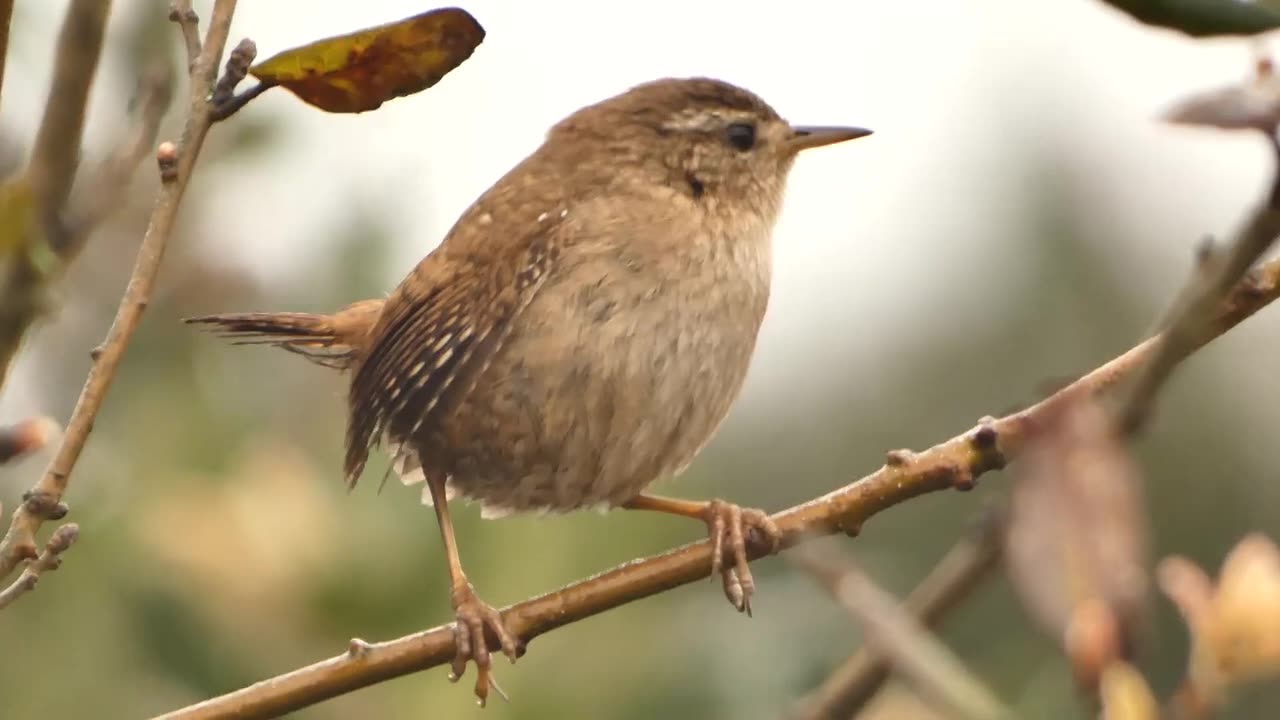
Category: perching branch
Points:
column 176, row 166
column 857, row 680
column 920, row 657
column 956, row 463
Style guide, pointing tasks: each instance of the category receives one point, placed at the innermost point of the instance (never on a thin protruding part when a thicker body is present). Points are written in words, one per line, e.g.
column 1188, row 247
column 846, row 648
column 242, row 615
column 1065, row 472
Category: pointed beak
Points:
column 811, row 136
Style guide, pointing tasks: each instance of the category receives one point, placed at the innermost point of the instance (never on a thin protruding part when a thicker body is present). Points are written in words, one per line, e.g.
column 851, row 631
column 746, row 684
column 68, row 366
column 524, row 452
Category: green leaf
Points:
column 17, row 215
column 1204, row 18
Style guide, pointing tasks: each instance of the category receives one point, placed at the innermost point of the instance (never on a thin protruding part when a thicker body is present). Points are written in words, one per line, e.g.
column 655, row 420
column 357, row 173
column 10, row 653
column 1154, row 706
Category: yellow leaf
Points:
column 1246, row 631
column 17, row 213
column 1235, row 625
column 360, row 71
column 1125, row 695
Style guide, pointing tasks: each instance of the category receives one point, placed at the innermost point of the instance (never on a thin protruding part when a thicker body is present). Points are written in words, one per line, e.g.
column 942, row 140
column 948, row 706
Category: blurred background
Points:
column 1019, row 216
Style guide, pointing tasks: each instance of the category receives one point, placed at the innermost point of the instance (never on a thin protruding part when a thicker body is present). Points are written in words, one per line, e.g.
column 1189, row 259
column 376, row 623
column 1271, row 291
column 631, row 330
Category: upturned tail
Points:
column 334, row 341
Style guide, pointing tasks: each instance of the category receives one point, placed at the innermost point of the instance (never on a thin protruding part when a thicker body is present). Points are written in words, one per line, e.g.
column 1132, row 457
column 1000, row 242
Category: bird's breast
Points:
column 616, row 374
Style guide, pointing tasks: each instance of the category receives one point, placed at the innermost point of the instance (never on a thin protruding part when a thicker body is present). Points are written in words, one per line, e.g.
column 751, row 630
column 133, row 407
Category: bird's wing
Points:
column 438, row 332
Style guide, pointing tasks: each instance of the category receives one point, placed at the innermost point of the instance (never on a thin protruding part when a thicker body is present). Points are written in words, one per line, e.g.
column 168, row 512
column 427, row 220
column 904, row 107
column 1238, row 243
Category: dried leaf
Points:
column 1126, row 695
column 360, row 71
column 1076, row 547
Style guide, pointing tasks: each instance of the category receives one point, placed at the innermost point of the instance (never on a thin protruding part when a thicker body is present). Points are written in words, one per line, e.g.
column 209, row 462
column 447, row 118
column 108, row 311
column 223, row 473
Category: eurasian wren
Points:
column 581, row 331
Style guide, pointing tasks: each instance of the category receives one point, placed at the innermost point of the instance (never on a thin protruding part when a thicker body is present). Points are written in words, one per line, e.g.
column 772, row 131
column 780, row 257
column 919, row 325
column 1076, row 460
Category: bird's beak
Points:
column 804, row 137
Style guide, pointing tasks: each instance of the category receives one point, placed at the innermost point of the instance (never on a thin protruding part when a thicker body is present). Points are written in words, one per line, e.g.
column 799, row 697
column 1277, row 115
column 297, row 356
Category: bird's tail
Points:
column 331, row 340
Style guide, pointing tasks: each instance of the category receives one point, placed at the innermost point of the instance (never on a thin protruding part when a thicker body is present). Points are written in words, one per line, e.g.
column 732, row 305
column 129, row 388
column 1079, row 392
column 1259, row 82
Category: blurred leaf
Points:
column 271, row 519
column 1202, row 18
column 1126, row 695
column 1252, row 105
column 23, row 249
column 1235, row 626
column 25, row 260
column 1077, row 541
column 17, row 215
column 1248, row 610
column 360, row 71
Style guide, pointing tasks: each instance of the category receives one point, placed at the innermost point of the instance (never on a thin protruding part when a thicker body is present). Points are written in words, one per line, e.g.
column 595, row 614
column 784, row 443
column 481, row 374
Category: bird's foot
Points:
column 729, row 525
column 472, row 618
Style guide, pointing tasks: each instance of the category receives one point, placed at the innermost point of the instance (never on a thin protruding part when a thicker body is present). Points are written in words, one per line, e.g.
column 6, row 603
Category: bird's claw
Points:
column 472, row 617
column 728, row 525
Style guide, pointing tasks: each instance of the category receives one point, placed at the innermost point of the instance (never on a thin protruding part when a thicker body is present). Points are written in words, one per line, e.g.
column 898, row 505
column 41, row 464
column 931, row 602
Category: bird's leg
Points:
column 472, row 615
column 728, row 525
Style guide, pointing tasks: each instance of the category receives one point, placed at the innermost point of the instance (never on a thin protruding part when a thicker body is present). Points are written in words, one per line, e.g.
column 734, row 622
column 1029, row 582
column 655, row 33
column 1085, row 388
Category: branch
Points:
column 852, row 685
column 57, row 146
column 956, row 463
column 933, row 669
column 188, row 22
column 6, row 13
column 1190, row 317
column 48, row 491
column 48, row 560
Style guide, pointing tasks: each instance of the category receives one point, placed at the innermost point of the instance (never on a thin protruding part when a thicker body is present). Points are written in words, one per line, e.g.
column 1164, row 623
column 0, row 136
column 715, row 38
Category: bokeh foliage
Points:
column 219, row 546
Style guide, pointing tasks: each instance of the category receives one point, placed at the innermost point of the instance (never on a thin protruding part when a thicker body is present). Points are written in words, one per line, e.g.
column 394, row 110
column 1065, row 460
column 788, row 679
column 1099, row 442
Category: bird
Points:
column 580, row 333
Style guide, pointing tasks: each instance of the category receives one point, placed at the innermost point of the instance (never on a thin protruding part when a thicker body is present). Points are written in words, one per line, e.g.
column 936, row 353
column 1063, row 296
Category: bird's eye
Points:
column 741, row 135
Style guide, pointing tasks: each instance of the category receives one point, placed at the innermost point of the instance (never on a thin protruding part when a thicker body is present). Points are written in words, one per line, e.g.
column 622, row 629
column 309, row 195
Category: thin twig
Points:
column 57, row 145
column 50, row 558
column 1191, row 316
column 20, row 538
column 933, row 670
column 188, row 22
column 6, row 14
column 857, row 680
column 235, row 102
column 955, row 463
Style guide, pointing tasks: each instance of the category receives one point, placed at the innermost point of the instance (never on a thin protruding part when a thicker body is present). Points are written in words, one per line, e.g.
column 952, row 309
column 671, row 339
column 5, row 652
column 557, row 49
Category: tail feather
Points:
column 329, row 340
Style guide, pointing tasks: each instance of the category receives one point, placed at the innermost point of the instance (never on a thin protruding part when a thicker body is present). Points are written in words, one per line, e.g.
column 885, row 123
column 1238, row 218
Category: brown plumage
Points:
column 329, row 340
column 584, row 327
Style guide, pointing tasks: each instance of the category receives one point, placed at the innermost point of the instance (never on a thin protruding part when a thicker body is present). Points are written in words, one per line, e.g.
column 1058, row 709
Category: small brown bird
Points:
column 581, row 331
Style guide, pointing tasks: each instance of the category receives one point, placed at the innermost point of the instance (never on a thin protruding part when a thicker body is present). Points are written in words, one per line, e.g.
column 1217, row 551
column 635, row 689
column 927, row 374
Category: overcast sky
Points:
column 953, row 89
